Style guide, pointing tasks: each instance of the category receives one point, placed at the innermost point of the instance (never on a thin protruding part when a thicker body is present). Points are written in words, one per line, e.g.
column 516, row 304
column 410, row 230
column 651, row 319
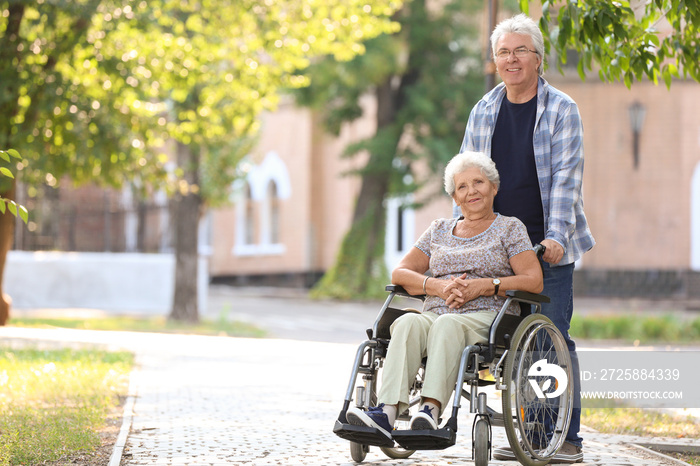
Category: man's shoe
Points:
column 567, row 454
column 423, row 420
column 373, row 417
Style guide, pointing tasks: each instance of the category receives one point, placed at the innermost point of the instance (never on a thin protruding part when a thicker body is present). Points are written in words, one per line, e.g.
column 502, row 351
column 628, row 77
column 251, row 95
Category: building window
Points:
column 400, row 229
column 249, row 219
column 259, row 203
column 273, row 212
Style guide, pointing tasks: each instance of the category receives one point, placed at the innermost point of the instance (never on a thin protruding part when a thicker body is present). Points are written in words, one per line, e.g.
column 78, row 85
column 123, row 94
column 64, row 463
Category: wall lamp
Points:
column 637, row 111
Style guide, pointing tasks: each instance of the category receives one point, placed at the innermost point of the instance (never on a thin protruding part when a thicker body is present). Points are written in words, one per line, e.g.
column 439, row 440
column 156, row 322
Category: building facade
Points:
column 642, row 198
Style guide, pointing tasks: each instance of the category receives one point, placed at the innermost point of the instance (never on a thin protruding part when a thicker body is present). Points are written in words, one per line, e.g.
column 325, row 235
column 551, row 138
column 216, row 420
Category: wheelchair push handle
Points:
column 540, row 249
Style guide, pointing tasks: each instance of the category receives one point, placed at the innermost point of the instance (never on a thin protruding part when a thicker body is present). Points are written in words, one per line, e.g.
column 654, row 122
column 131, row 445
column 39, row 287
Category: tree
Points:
column 8, row 205
column 425, row 79
column 625, row 41
column 93, row 90
column 45, row 114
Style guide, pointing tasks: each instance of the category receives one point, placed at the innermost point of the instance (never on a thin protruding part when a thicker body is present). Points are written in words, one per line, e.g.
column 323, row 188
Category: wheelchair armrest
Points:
column 399, row 290
column 526, row 296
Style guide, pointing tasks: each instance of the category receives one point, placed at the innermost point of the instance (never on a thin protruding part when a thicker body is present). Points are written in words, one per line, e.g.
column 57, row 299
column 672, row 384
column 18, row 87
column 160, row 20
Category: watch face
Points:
column 496, row 281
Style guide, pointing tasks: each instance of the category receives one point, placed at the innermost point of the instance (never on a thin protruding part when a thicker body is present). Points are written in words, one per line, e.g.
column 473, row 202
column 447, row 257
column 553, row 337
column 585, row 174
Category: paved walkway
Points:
column 232, row 401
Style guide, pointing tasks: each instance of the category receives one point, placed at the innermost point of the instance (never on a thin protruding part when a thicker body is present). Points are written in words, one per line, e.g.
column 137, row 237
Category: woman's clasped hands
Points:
column 458, row 290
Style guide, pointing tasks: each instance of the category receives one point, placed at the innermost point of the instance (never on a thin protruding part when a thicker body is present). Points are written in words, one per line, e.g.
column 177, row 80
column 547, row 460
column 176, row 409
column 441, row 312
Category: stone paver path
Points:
column 230, row 401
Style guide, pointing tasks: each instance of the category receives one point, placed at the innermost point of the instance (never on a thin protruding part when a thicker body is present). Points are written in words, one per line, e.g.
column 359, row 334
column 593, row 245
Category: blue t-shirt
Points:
column 512, row 150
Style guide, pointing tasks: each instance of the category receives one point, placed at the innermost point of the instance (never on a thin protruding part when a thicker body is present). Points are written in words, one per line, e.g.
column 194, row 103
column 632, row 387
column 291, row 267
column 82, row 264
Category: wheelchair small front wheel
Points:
column 397, row 453
column 481, row 442
column 358, row 451
column 538, row 398
column 402, row 423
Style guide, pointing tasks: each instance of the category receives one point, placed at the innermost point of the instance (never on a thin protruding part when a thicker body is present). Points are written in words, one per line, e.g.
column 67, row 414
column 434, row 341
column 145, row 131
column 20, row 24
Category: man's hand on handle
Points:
column 554, row 252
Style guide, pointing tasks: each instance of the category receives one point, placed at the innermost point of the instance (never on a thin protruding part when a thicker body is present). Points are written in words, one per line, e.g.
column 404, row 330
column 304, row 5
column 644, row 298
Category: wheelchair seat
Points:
column 383, row 327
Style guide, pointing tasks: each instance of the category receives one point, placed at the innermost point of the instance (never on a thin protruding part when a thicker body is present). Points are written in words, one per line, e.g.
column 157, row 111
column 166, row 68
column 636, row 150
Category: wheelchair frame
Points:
column 512, row 340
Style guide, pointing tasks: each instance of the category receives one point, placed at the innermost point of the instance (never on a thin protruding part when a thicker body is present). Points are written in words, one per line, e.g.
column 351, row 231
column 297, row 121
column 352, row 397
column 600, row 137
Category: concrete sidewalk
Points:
column 231, row 401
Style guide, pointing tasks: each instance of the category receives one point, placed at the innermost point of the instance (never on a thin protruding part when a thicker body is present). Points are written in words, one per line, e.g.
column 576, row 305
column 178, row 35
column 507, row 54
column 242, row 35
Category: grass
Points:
column 52, row 402
column 638, row 421
column 618, row 419
column 220, row 327
column 632, row 328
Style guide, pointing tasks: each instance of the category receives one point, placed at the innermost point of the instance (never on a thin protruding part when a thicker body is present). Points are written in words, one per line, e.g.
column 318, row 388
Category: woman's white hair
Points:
column 465, row 160
column 524, row 25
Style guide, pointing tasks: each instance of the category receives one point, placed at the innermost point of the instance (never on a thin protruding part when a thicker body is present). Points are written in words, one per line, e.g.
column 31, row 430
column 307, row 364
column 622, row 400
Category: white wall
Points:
column 119, row 282
column 695, row 219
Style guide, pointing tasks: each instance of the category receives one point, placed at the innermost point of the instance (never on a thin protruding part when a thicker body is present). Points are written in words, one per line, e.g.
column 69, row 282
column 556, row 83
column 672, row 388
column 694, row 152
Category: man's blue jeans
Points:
column 559, row 287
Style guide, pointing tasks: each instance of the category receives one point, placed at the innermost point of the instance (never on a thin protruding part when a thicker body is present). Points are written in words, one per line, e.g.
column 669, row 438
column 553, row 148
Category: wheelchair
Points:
column 528, row 361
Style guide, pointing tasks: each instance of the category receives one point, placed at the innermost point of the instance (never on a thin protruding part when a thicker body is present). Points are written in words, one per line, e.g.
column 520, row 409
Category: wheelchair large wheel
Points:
column 538, row 399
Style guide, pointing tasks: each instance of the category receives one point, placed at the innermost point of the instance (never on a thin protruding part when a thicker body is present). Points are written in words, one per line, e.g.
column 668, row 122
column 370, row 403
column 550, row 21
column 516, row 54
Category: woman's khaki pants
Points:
column 441, row 338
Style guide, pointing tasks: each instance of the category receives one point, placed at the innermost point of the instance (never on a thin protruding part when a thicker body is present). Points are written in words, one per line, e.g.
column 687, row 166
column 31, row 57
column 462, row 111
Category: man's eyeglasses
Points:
column 520, row 52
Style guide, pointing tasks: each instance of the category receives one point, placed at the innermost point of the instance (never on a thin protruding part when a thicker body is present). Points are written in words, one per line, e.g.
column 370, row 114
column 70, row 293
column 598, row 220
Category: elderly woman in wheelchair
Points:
column 462, row 269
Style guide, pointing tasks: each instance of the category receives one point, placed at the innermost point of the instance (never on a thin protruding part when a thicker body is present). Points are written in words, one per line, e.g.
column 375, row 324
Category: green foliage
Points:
column 59, row 114
column 625, row 41
column 435, row 66
column 93, row 89
column 8, row 205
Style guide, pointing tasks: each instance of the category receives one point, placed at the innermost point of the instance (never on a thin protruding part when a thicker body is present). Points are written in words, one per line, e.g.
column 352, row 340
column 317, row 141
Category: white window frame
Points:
column 272, row 169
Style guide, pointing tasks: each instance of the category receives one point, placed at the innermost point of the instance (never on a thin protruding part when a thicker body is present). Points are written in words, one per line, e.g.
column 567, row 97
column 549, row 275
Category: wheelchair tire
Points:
column 527, row 401
column 358, row 452
column 481, row 443
column 397, row 453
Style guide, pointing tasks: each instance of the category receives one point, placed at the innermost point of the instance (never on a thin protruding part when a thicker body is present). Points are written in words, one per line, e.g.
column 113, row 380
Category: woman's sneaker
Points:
column 423, row 420
column 373, row 417
column 567, row 454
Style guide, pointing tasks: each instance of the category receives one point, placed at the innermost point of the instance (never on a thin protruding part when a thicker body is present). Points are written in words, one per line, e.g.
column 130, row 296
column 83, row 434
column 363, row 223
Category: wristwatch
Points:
column 496, row 283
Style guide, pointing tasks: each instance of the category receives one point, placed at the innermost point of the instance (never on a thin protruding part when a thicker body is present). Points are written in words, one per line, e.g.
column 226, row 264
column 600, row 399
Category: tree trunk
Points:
column 186, row 212
column 359, row 270
column 7, row 231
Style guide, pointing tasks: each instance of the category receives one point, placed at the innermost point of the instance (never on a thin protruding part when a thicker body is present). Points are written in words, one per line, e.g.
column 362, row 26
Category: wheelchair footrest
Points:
column 426, row 439
column 364, row 435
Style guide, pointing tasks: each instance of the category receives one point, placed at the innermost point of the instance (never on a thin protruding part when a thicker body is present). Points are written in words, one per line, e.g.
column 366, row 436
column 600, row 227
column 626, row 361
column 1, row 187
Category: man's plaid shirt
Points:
column 558, row 146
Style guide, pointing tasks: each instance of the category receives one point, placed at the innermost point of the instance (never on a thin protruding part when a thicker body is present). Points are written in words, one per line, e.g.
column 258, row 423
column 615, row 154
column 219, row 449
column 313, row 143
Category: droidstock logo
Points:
column 551, row 371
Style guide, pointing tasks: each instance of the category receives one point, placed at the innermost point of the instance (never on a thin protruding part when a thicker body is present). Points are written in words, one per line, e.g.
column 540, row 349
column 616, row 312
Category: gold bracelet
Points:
column 424, row 282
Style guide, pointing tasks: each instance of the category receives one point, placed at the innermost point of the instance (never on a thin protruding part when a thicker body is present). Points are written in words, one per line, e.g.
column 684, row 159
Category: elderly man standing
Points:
column 534, row 134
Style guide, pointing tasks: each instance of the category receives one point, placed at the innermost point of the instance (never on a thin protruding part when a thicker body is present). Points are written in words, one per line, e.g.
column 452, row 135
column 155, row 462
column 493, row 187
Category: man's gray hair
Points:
column 524, row 25
column 465, row 160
